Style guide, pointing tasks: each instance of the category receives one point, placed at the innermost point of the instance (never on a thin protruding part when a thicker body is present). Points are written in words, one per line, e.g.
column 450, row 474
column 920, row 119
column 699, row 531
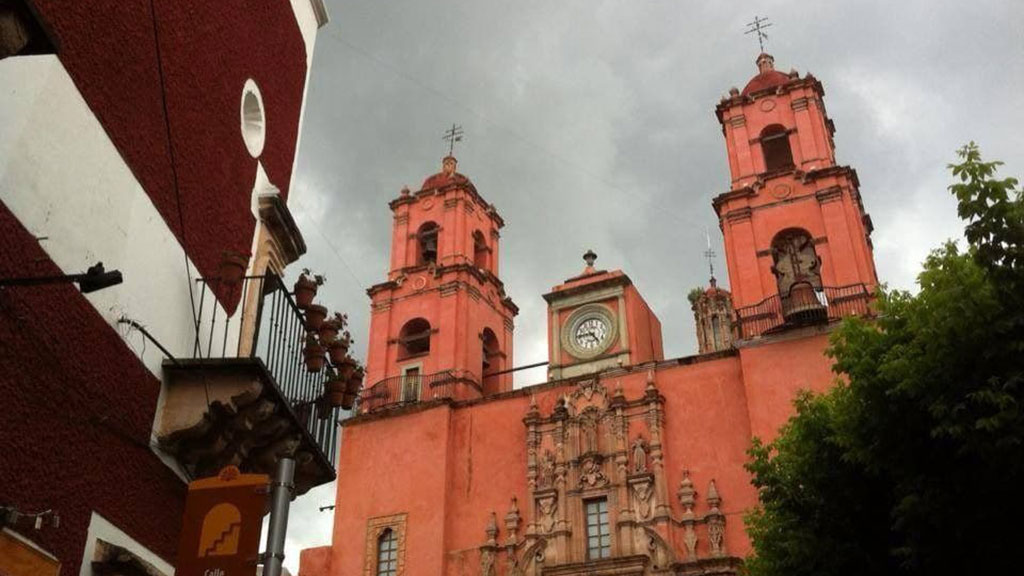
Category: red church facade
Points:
column 624, row 462
column 156, row 137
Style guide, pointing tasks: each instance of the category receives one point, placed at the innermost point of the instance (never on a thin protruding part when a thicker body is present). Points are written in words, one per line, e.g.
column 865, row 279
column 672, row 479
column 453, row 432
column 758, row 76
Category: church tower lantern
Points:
column 797, row 238
column 441, row 325
column 712, row 313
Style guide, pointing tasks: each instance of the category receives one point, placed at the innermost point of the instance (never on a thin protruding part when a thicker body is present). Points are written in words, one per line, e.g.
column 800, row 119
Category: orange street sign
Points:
column 220, row 533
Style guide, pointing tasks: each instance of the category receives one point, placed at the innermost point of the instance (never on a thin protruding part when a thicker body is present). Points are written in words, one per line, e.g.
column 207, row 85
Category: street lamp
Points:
column 95, row 278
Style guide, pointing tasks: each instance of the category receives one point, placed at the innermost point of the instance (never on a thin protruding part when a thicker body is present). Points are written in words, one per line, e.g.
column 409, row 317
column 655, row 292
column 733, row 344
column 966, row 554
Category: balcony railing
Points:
column 269, row 326
column 409, row 388
column 825, row 305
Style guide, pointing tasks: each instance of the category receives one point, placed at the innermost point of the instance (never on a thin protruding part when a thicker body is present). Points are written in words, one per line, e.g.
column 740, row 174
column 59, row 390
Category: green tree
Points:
column 914, row 462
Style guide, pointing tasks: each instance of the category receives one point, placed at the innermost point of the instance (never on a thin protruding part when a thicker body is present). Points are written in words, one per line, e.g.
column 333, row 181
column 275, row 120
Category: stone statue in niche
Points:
column 642, row 491
column 589, row 428
column 547, row 470
column 590, row 473
column 639, row 456
column 548, row 506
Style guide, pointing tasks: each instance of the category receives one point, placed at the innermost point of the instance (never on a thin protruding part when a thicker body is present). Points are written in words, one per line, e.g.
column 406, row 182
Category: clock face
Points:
column 591, row 333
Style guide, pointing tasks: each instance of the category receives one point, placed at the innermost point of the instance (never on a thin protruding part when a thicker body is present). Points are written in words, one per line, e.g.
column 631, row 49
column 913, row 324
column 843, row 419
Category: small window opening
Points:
column 427, row 238
column 775, row 146
column 414, row 338
column 491, row 357
column 599, row 540
column 481, row 253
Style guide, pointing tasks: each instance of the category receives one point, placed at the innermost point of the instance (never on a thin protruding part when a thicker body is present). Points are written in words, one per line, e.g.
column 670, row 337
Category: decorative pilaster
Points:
column 715, row 521
column 687, row 499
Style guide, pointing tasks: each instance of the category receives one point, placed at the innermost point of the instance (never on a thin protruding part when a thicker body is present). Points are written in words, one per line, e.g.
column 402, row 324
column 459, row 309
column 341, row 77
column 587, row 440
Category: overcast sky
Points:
column 590, row 124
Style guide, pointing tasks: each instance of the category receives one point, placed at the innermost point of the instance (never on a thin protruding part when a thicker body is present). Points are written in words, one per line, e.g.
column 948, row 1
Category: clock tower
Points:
column 598, row 320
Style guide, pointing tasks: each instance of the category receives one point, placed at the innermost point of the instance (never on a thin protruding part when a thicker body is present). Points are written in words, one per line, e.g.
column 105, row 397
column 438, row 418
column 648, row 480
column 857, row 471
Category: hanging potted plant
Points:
column 338, row 348
column 306, row 287
column 348, row 400
column 335, row 388
column 313, row 353
column 315, row 315
column 346, row 367
column 232, row 267
column 332, row 326
column 354, row 381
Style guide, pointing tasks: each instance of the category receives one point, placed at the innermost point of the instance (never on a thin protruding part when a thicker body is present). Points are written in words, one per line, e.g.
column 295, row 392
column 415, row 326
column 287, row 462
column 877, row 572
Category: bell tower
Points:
column 797, row 238
column 442, row 315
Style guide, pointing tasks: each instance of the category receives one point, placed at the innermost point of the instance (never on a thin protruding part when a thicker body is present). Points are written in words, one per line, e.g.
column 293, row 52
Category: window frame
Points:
column 387, row 566
column 597, row 509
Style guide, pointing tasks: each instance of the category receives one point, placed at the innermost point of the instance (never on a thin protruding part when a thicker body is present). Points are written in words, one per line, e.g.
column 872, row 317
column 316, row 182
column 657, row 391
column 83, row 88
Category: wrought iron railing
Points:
column 825, row 305
column 399, row 390
column 267, row 324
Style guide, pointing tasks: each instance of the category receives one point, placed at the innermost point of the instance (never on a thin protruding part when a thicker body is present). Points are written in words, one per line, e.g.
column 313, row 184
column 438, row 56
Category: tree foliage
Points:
column 914, row 462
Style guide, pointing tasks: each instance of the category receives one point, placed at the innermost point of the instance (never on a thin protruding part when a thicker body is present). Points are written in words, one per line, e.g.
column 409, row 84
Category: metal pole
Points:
column 281, row 495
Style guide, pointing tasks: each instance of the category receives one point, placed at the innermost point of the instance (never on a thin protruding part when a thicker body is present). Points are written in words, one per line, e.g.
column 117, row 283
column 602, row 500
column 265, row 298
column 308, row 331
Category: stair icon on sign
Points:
column 222, row 526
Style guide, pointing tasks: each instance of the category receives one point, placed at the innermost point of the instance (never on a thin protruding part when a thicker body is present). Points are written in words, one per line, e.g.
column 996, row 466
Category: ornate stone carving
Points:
column 492, row 529
column 546, row 479
column 686, row 494
column 639, row 456
column 487, row 562
column 512, row 523
column 591, row 474
column 715, row 521
column 547, row 509
column 643, row 488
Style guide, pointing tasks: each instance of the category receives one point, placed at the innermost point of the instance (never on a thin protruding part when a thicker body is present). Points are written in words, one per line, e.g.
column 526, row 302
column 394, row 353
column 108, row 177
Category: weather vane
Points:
column 452, row 135
column 710, row 254
column 758, row 26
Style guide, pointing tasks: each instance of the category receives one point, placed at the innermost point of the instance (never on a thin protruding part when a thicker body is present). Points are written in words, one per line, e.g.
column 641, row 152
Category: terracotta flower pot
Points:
column 329, row 330
column 346, row 367
column 337, row 349
column 335, row 389
column 232, row 267
column 305, row 291
column 313, row 354
column 354, row 382
column 315, row 315
column 348, row 401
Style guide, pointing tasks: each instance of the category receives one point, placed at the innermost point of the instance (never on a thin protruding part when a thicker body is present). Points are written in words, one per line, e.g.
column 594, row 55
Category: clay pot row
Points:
column 342, row 390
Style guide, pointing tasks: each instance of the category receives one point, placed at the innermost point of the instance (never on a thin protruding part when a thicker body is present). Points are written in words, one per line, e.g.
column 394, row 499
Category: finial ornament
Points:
column 710, row 255
column 590, row 258
column 757, row 27
column 451, row 136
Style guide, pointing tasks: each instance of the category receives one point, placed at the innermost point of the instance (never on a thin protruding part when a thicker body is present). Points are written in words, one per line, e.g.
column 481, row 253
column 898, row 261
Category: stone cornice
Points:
column 808, row 81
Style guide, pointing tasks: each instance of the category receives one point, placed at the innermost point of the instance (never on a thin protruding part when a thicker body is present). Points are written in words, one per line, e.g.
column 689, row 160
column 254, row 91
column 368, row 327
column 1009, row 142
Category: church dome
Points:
column 446, row 176
column 767, row 77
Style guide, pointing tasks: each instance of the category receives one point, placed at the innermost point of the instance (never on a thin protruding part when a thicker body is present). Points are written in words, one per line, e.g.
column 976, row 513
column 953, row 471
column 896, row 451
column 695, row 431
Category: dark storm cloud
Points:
column 591, row 125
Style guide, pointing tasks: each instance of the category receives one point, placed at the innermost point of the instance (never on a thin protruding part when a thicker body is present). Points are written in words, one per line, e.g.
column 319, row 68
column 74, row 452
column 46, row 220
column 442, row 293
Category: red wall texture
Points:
column 208, row 50
column 77, row 412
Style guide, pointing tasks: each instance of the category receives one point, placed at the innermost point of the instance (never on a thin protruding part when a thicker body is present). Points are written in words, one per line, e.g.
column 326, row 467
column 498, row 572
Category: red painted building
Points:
column 624, row 462
column 158, row 137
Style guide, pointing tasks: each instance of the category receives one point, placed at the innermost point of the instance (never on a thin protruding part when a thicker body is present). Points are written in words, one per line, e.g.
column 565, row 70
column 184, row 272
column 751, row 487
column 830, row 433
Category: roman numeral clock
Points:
column 598, row 320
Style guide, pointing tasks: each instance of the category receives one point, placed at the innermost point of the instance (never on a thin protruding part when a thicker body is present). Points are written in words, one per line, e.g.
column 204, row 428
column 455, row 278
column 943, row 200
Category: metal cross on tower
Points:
column 710, row 254
column 452, row 135
column 758, row 26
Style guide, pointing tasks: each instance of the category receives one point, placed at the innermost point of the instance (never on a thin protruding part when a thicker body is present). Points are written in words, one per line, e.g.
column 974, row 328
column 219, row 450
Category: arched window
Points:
column 775, row 146
column 387, row 553
column 794, row 260
column 797, row 270
column 491, row 359
column 480, row 251
column 426, row 240
column 414, row 338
